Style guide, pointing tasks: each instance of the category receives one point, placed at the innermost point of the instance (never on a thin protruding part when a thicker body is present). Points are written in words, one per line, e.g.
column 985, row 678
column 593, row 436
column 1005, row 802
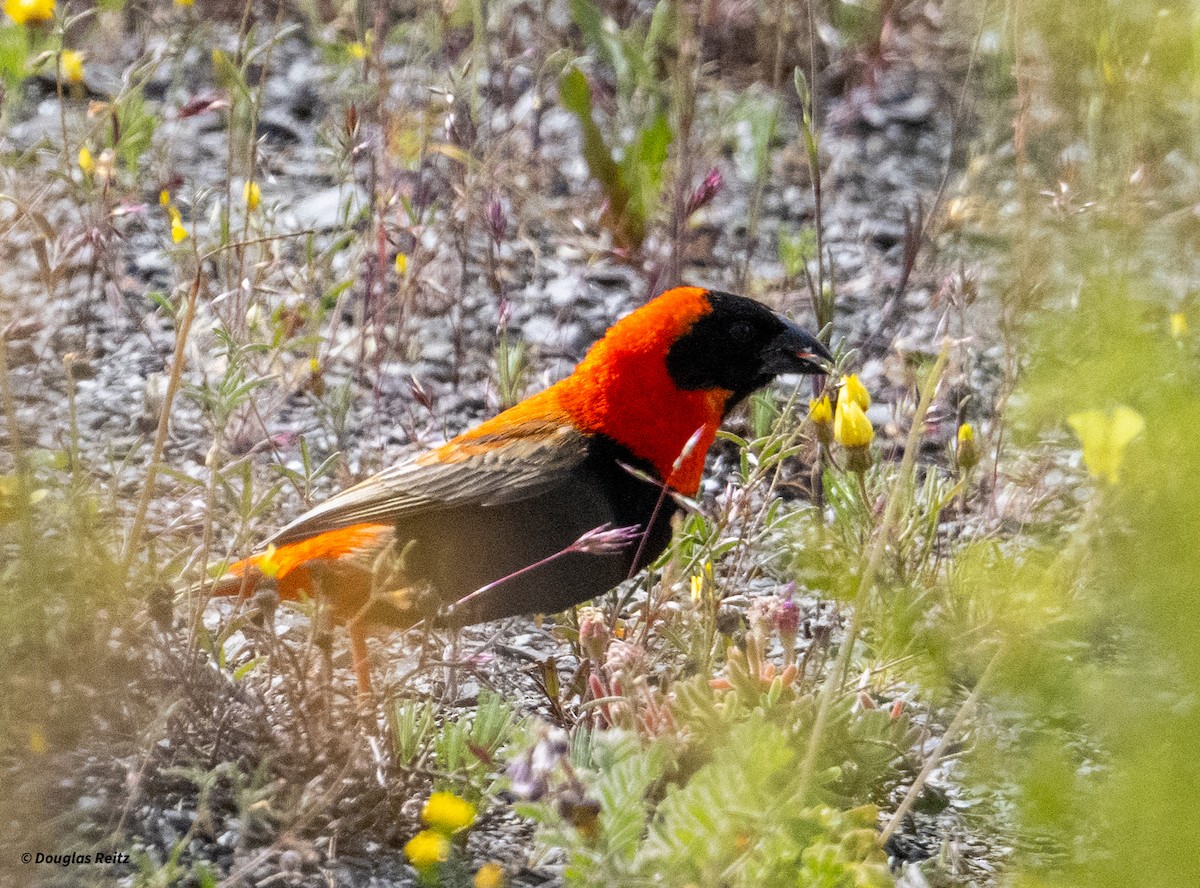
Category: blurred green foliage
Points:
column 1102, row 623
column 630, row 170
column 719, row 801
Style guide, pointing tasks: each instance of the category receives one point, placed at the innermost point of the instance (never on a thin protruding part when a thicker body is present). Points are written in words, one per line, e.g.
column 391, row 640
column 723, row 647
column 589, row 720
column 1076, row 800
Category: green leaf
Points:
column 576, row 96
column 14, row 56
column 643, row 173
column 246, row 668
column 590, row 21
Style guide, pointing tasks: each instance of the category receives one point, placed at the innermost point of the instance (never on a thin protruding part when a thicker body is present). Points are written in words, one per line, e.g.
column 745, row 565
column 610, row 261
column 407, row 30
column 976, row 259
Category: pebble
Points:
column 326, row 209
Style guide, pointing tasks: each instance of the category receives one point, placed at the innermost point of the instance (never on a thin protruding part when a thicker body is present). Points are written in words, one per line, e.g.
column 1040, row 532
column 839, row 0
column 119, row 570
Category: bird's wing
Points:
column 518, row 462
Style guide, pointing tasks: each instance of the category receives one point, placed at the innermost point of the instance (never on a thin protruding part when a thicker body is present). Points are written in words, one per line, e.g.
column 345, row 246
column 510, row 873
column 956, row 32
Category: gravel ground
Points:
column 888, row 150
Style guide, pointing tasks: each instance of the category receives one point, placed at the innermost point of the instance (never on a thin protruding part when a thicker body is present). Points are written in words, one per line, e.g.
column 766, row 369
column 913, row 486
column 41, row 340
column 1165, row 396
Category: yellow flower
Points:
column 1104, row 436
column 87, row 163
column 164, row 198
column 72, row 65
column 447, row 813
column 855, row 391
column 251, row 194
column 1179, row 325
column 851, row 428
column 178, row 232
column 427, row 848
column 25, row 12
column 357, row 50
column 821, row 413
column 967, row 452
column 697, row 588
column 490, row 875
column 184, row 2
column 401, row 264
column 37, row 740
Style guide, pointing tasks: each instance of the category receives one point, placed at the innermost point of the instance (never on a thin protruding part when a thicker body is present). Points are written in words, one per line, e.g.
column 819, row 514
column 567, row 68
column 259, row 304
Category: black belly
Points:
column 458, row 551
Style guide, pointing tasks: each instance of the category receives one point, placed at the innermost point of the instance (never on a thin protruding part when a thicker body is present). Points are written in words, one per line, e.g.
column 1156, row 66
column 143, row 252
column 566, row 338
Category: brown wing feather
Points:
column 525, row 460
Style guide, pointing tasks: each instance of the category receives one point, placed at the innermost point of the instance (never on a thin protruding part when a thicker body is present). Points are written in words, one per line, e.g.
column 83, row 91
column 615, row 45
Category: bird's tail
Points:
column 335, row 562
column 340, row 568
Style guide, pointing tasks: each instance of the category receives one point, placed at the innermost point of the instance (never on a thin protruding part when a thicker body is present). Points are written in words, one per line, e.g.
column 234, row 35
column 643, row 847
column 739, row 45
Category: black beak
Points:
column 794, row 351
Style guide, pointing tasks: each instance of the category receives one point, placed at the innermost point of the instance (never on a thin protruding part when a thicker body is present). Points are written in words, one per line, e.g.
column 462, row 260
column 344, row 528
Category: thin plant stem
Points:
column 177, row 363
column 835, row 678
column 914, row 791
column 20, row 461
column 164, row 420
column 764, row 173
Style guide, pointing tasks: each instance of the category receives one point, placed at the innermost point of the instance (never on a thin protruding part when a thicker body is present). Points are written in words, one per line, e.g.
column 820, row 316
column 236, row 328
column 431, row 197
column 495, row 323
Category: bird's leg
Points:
column 452, row 666
column 358, row 653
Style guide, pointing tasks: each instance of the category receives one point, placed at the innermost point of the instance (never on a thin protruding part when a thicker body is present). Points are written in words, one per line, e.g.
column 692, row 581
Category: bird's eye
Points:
column 741, row 333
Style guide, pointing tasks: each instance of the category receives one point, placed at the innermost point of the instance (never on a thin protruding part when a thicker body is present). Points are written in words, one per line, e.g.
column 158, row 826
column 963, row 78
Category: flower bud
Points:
column 851, row 428
column 71, row 63
column 594, row 634
column 708, row 189
column 820, row 412
column 967, row 451
column 497, row 221
column 761, row 616
column 606, row 540
column 787, row 622
column 852, row 389
column 1179, row 325
column 854, row 431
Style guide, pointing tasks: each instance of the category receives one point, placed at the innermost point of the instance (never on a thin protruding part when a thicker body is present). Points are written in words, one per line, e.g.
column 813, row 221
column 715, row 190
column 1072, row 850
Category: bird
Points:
column 550, row 503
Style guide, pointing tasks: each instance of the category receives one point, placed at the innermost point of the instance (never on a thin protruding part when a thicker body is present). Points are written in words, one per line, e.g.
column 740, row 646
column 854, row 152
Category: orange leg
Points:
column 358, row 652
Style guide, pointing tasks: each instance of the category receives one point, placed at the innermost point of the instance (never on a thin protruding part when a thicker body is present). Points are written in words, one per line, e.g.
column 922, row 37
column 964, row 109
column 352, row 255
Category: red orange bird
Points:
column 483, row 526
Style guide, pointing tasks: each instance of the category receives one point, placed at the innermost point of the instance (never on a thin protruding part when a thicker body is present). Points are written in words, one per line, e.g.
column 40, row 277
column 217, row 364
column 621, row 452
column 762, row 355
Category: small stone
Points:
column 329, row 209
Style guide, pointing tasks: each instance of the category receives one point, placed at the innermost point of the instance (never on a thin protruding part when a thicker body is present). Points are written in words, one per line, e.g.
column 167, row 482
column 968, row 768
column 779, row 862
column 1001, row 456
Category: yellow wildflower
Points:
column 853, row 389
column 401, row 264
column 164, row 198
column 697, row 588
column 178, row 232
column 37, row 740
column 87, row 163
column 967, row 451
column 1104, row 436
column 447, row 813
column 1179, row 325
column 251, row 194
column 357, row 50
column 184, row 2
column 490, row 875
column 27, row 12
column 821, row 413
column 427, row 848
column 71, row 63
column 854, row 431
column 851, row 428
